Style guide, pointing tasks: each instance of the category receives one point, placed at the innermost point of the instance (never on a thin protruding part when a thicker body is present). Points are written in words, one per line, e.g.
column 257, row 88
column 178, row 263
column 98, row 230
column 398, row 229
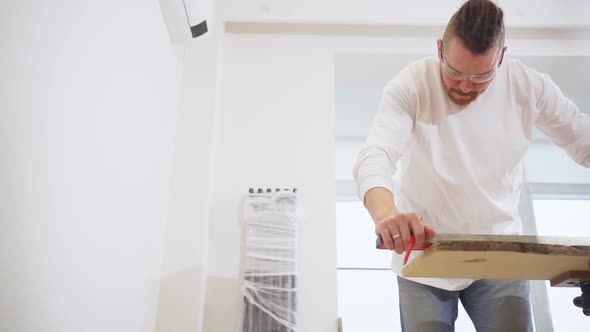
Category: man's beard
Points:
column 461, row 98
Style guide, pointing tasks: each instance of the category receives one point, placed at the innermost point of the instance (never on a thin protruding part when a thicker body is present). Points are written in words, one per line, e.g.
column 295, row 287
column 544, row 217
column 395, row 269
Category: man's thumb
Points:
column 429, row 232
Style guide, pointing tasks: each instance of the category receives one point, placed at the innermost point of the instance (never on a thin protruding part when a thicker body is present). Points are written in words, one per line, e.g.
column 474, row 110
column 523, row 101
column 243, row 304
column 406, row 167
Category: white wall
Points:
column 275, row 129
column 182, row 292
column 88, row 99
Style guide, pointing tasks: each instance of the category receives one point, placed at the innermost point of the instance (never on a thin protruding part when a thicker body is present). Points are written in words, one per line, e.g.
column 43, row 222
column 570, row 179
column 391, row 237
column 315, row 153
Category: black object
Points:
column 199, row 29
column 269, row 190
column 583, row 301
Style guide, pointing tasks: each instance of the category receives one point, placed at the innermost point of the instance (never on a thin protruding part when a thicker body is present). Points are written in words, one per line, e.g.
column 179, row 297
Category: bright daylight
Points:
column 295, row 166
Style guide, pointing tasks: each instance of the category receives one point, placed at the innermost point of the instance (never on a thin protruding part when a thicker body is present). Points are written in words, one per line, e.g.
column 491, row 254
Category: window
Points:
column 555, row 217
column 367, row 289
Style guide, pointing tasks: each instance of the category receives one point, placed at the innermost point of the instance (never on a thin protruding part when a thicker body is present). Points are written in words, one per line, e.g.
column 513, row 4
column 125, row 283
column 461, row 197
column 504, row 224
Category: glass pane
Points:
column 368, row 301
column 564, row 218
column 545, row 162
column 356, row 238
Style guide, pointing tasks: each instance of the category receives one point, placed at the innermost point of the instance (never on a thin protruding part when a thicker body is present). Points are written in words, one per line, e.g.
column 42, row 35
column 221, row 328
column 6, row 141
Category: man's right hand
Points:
column 397, row 230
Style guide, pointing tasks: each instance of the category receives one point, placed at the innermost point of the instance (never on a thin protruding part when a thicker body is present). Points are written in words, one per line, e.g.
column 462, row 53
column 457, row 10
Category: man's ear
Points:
column 439, row 48
column 502, row 56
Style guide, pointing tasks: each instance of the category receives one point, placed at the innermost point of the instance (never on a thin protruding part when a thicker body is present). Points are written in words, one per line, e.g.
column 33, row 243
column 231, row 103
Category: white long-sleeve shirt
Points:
column 461, row 166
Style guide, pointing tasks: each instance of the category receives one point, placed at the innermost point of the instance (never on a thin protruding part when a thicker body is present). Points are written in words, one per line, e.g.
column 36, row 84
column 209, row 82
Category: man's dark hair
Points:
column 479, row 24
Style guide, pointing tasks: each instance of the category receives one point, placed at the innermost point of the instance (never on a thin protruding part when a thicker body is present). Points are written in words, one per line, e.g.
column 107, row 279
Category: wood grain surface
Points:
column 500, row 257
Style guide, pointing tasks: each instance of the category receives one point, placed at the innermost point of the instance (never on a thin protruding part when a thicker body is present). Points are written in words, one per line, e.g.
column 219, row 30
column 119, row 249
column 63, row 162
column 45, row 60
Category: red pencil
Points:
column 410, row 247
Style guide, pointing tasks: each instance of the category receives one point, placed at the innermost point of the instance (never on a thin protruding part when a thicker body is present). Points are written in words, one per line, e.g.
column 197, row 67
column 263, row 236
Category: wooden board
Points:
column 500, row 257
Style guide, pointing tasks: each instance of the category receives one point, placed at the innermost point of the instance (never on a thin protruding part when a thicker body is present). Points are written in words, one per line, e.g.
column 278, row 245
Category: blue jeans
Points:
column 492, row 305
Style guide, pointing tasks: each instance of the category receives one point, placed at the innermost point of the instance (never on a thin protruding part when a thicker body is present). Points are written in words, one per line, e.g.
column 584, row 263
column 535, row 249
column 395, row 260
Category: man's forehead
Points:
column 456, row 47
column 464, row 61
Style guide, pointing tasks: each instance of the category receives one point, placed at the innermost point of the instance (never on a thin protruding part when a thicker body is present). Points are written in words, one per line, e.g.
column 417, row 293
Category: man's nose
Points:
column 466, row 86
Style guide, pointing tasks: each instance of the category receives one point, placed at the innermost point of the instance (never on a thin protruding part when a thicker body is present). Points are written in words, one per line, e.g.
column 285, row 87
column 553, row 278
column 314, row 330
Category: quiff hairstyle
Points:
column 479, row 25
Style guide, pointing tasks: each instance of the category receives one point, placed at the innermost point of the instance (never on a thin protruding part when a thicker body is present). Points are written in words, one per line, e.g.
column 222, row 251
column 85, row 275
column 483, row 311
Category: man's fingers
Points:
column 405, row 238
column 397, row 232
column 417, row 230
column 399, row 241
column 395, row 237
column 386, row 237
column 429, row 232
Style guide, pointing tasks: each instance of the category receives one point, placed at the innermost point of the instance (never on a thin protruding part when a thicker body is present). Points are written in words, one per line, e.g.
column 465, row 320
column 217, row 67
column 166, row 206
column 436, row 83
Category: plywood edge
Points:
column 556, row 240
column 545, row 245
column 492, row 265
column 506, row 246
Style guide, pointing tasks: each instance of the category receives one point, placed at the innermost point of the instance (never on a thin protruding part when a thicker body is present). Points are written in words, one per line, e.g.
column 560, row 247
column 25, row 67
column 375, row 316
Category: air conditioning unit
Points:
column 187, row 19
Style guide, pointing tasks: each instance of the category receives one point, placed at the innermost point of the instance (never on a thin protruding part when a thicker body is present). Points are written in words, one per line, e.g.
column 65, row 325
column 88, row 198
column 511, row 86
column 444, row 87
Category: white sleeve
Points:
column 387, row 141
column 563, row 123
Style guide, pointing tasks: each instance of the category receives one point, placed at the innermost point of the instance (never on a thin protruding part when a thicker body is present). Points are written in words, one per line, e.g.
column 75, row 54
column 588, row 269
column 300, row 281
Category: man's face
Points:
column 464, row 74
